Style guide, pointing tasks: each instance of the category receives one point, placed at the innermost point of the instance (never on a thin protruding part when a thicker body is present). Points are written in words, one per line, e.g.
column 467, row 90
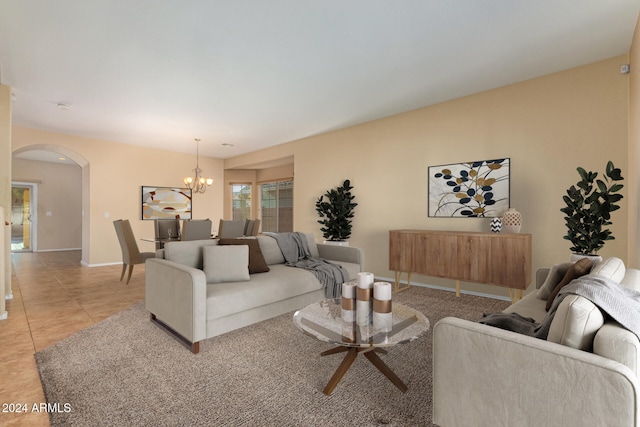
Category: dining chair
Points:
column 252, row 227
column 248, row 226
column 166, row 229
column 231, row 228
column 196, row 229
column 131, row 255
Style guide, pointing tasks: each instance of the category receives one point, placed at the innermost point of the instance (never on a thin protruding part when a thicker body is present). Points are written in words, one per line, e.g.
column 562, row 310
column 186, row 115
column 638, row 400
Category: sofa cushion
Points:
column 270, row 250
column 575, row 323
column 617, row 343
column 612, row 268
column 257, row 264
column 226, row 263
column 578, row 269
column 529, row 306
column 272, row 253
column 281, row 283
column 188, row 252
column 556, row 273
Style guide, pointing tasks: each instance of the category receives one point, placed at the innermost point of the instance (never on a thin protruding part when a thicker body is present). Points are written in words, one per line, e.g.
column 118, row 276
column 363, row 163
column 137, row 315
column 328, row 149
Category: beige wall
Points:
column 59, row 202
column 114, row 174
column 547, row 126
column 634, row 151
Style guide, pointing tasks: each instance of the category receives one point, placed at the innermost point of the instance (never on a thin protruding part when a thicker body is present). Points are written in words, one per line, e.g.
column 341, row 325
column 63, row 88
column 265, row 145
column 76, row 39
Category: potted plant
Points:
column 336, row 213
column 588, row 211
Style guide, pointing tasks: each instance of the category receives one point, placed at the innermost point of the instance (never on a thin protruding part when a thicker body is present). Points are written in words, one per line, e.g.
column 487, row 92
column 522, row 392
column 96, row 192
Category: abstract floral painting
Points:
column 166, row 203
column 477, row 189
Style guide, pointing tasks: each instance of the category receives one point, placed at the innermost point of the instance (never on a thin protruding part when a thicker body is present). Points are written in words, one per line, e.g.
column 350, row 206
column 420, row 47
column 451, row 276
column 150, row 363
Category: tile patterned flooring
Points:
column 54, row 296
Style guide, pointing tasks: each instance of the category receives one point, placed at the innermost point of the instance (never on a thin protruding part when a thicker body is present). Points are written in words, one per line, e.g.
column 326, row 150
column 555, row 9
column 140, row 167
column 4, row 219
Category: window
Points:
column 276, row 202
column 240, row 201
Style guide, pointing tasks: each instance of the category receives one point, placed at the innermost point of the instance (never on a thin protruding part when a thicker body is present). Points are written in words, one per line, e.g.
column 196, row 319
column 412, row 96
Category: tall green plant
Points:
column 589, row 208
column 336, row 212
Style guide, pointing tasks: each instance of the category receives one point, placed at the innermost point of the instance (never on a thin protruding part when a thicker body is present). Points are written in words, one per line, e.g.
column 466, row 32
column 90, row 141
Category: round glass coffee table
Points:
column 324, row 321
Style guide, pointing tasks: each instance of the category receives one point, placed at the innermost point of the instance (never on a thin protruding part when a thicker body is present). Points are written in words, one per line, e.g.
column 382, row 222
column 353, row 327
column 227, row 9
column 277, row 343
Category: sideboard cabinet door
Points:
column 474, row 258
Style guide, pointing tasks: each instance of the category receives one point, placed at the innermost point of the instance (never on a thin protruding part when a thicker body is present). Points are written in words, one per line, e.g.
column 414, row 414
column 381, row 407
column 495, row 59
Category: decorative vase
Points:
column 496, row 225
column 511, row 221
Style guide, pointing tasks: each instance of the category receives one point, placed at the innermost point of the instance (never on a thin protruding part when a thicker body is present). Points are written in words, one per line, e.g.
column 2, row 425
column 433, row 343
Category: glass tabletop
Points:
column 324, row 321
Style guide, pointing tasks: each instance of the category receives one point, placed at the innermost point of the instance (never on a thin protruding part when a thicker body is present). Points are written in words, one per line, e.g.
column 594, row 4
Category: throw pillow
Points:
column 187, row 252
column 575, row 323
column 226, row 263
column 556, row 273
column 578, row 269
column 611, row 268
column 257, row 264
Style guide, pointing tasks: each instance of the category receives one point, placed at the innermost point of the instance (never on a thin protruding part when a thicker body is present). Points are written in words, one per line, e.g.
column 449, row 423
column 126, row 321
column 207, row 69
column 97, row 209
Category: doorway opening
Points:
column 23, row 221
column 54, row 230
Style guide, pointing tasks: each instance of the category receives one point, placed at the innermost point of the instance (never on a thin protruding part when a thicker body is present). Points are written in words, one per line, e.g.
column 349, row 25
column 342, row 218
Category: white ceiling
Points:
column 256, row 73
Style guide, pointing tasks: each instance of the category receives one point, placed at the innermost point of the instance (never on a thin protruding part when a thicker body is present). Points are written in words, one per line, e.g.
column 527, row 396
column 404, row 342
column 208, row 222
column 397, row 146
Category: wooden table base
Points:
column 350, row 357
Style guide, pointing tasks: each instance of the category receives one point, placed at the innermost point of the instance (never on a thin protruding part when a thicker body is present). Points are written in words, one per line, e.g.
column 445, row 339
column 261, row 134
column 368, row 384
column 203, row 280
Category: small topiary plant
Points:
column 336, row 212
column 589, row 206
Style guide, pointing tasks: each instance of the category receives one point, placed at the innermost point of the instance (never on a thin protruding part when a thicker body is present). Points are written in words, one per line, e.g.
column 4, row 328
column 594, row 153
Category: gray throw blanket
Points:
column 620, row 303
column 295, row 249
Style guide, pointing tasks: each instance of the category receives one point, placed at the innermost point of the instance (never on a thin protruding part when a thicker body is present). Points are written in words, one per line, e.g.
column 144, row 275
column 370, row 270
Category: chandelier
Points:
column 197, row 183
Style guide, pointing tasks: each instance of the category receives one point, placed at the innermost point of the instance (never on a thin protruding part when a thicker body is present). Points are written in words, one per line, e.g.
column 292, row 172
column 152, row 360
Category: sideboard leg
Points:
column 515, row 294
column 397, row 287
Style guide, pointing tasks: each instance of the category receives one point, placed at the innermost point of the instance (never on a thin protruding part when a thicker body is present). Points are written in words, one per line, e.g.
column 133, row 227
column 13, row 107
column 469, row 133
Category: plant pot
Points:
column 336, row 242
column 595, row 259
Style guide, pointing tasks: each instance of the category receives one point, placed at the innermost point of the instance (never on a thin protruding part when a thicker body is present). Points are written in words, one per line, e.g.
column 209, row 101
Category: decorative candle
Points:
column 365, row 280
column 364, row 298
column 348, row 303
column 382, row 313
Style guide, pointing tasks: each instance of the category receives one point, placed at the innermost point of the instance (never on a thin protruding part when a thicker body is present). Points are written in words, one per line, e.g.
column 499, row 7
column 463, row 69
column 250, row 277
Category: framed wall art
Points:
column 166, row 203
column 477, row 189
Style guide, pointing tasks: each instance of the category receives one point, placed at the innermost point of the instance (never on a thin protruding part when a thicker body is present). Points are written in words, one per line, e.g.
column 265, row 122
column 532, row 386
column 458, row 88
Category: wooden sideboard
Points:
column 491, row 258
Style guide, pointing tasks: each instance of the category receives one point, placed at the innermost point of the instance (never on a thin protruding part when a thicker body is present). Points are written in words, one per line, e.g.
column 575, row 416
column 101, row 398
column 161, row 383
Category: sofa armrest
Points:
column 177, row 295
column 617, row 343
column 486, row 376
column 342, row 253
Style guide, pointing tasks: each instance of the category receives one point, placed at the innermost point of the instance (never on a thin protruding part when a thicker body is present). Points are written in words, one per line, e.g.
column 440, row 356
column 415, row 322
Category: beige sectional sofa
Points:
column 584, row 374
column 199, row 289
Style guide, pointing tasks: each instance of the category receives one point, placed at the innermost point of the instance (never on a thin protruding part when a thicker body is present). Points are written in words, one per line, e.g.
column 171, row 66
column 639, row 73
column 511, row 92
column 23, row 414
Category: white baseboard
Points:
column 58, row 250
column 4, row 315
column 105, row 264
column 444, row 288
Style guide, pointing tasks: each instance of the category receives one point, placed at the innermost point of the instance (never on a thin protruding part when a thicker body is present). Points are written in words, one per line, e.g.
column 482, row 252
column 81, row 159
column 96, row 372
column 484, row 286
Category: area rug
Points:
column 125, row 370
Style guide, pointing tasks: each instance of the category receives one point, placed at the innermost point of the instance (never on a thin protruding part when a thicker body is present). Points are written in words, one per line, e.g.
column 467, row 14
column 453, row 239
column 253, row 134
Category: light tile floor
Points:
column 54, row 296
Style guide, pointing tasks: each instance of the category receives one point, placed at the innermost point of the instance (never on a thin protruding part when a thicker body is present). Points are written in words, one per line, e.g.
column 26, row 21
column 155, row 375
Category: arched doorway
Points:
column 49, row 152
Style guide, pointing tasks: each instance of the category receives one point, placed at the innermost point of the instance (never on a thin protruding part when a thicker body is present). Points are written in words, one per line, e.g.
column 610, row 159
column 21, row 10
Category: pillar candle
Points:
column 348, row 303
column 364, row 298
column 382, row 314
column 365, row 280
